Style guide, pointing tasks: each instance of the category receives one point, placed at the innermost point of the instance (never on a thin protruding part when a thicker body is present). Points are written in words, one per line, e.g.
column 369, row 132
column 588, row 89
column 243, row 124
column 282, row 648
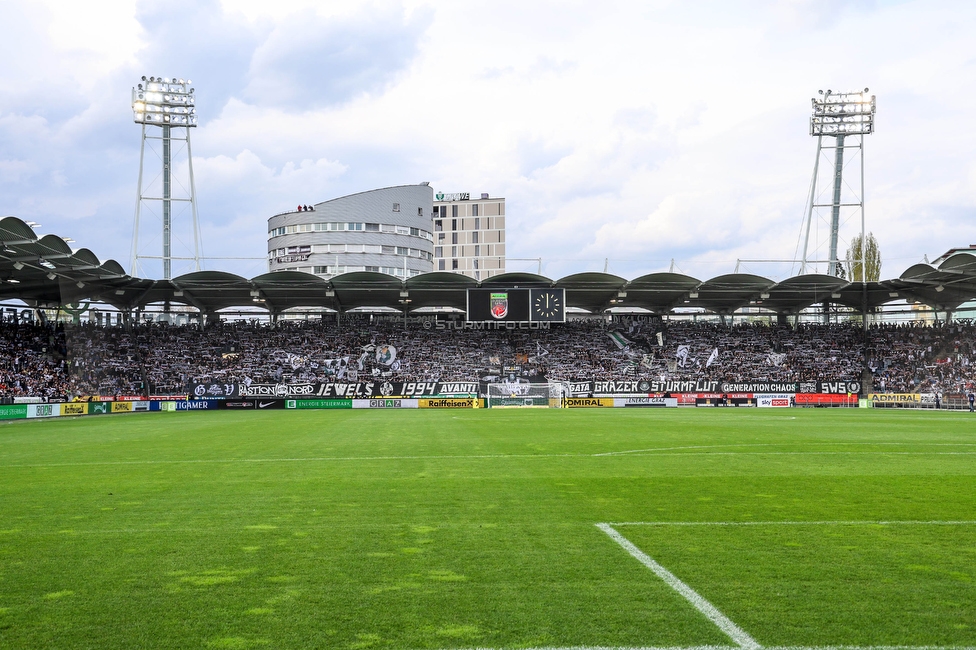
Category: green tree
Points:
column 872, row 255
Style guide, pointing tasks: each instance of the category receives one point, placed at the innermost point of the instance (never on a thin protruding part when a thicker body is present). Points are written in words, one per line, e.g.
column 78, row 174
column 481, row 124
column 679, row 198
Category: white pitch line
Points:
column 326, row 459
column 908, row 522
column 734, row 632
column 724, row 647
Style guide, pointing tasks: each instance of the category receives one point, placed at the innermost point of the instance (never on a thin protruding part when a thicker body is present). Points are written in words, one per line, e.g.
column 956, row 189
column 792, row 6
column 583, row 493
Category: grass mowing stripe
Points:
column 734, row 632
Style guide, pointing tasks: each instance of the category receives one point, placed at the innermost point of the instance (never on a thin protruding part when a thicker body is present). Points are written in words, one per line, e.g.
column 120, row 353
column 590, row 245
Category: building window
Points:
column 372, row 227
column 477, row 223
column 453, row 251
column 374, row 269
column 440, row 265
column 396, row 207
column 477, row 252
column 454, row 211
column 420, row 212
column 438, row 251
column 438, row 225
column 401, row 250
column 474, row 210
column 477, row 275
column 389, row 250
column 440, row 236
column 454, row 238
column 474, row 236
column 475, row 262
column 454, row 265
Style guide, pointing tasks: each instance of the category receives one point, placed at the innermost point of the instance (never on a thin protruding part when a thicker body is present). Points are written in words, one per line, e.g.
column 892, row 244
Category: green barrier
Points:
column 13, row 412
column 318, row 403
column 99, row 408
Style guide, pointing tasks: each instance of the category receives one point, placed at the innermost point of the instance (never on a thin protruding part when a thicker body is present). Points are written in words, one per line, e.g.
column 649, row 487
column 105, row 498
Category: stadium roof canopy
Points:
column 43, row 271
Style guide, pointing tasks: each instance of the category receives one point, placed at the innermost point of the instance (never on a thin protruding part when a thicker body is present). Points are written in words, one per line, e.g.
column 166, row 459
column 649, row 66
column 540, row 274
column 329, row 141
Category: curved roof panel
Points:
column 592, row 291
column 439, row 289
column 45, row 272
column 659, row 292
column 517, row 280
column 799, row 292
column 13, row 229
column 726, row 293
column 366, row 289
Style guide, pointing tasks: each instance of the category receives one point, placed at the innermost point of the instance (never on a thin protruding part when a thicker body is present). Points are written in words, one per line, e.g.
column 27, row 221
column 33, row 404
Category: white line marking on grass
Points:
column 797, row 523
column 727, row 647
column 734, row 632
column 650, row 450
column 333, row 459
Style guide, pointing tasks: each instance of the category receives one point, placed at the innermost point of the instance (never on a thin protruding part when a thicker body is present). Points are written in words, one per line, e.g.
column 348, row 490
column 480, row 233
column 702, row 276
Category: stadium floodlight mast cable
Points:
column 838, row 116
column 165, row 102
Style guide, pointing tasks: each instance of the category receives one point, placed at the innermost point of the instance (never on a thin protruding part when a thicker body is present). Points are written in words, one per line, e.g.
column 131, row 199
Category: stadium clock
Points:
column 548, row 305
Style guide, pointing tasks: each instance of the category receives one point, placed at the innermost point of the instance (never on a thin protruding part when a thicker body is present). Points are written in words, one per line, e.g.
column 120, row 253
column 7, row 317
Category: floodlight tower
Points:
column 843, row 117
column 166, row 103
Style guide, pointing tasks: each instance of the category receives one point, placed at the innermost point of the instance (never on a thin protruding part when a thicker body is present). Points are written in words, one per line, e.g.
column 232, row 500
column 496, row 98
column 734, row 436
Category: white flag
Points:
column 712, row 358
column 682, row 355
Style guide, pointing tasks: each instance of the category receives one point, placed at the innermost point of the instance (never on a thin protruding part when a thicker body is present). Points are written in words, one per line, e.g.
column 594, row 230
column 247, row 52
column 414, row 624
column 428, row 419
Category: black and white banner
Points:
column 363, row 390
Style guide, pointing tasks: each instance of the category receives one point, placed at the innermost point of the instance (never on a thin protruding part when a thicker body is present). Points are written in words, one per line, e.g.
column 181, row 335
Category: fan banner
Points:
column 364, row 389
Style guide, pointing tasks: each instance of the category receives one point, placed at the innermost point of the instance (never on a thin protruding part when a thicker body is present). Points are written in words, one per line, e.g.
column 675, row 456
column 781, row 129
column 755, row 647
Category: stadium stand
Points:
column 61, row 362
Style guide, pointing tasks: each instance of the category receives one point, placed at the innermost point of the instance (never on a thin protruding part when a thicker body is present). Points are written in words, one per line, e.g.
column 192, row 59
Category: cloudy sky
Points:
column 622, row 134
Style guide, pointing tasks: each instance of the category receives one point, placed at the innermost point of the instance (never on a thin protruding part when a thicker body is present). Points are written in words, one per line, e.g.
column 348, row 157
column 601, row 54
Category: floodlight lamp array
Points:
column 850, row 113
column 162, row 101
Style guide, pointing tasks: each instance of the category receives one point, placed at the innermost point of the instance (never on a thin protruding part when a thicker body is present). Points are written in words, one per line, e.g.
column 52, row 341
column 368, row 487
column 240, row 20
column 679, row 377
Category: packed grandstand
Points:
column 64, row 361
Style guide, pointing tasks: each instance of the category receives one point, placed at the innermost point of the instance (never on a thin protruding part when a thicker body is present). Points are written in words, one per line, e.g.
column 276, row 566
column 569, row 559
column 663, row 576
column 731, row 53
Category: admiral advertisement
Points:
column 362, row 390
column 588, row 402
column 904, row 399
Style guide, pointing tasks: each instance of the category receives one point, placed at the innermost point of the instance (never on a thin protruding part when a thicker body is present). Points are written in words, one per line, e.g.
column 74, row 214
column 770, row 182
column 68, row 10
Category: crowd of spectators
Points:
column 62, row 362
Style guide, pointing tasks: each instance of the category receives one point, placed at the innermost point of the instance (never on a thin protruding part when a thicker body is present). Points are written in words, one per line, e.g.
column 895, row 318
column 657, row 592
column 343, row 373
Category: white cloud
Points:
column 637, row 132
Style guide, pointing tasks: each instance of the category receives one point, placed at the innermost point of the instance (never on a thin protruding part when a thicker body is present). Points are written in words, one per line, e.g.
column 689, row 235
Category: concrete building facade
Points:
column 469, row 234
column 386, row 230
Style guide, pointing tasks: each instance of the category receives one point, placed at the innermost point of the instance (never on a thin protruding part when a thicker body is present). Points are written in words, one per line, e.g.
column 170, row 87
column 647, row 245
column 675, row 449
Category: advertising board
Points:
column 43, row 410
column 385, row 403
column 913, row 399
column 196, row 405
column 588, row 402
column 99, row 408
column 446, row 403
column 318, row 404
column 639, row 402
column 74, row 408
column 121, row 407
column 13, row 412
column 774, row 400
column 824, row 399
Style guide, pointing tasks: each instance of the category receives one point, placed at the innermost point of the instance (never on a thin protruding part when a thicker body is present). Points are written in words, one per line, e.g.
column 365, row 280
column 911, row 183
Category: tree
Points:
column 873, row 256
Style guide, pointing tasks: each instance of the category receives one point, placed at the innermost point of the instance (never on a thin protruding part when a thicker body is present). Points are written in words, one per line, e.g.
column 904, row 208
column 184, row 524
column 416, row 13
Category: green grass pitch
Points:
column 477, row 529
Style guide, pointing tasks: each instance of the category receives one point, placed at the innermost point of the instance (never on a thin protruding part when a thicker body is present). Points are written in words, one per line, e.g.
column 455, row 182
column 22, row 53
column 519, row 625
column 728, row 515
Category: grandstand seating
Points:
column 64, row 361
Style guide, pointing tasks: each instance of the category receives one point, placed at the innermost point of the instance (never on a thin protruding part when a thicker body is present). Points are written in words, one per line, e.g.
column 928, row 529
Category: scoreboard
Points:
column 542, row 305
